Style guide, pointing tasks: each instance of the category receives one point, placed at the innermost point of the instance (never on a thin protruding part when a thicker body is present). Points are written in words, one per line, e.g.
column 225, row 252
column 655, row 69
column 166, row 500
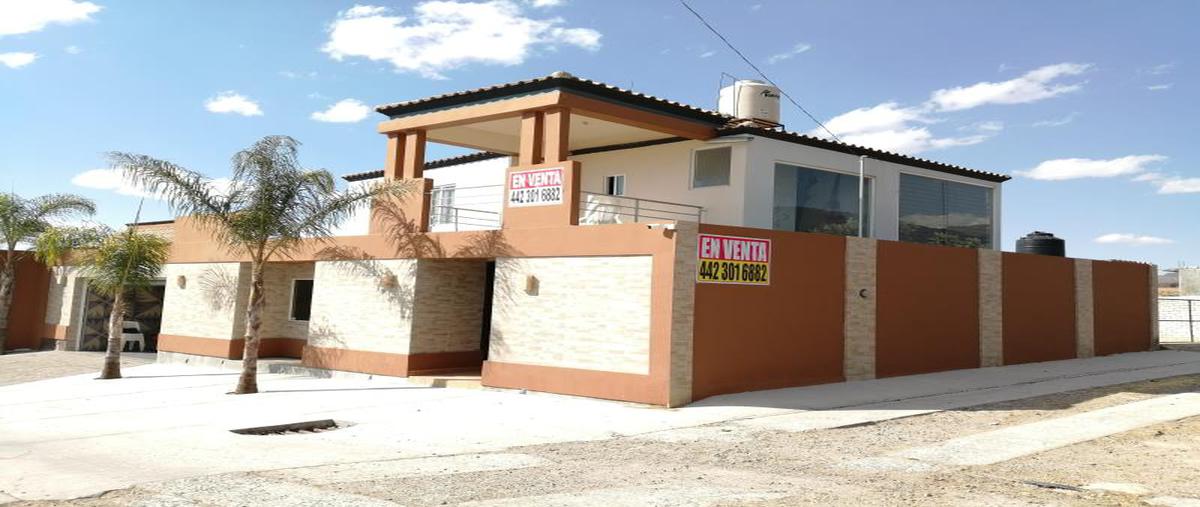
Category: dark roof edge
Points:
column 155, row 222
column 550, row 83
column 851, row 149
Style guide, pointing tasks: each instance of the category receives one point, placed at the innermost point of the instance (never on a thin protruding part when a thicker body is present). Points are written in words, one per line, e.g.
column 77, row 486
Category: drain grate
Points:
column 295, row 428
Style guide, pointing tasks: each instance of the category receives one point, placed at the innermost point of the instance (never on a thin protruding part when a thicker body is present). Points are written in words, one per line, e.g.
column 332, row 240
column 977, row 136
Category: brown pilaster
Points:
column 414, row 154
column 556, row 128
column 395, row 156
column 532, row 137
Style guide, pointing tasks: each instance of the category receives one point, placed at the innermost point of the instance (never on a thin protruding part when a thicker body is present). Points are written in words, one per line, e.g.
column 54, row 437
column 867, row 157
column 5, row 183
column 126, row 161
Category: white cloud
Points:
column 1160, row 87
column 447, row 34
column 797, row 49
column 345, row 111
column 1151, row 177
column 1057, row 123
column 889, row 126
column 1160, row 69
column 1035, row 85
column 1131, row 239
column 27, row 16
column 312, row 74
column 984, row 126
column 232, row 102
column 115, row 181
column 17, row 60
column 707, row 54
column 546, row 3
column 72, row 50
column 1178, row 185
column 1072, row 168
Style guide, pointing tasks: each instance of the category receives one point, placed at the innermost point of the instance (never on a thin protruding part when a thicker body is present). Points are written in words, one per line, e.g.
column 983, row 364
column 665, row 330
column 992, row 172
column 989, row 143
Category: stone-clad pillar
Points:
column 1085, row 323
column 991, row 308
column 1154, row 307
column 859, row 324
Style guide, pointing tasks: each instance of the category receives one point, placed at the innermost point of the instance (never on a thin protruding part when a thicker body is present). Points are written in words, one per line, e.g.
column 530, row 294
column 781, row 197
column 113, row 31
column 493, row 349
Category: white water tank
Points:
column 748, row 99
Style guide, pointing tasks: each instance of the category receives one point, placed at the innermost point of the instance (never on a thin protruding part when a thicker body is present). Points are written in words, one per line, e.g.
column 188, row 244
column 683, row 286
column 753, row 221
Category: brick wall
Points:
column 277, row 283
column 363, row 305
column 589, row 313
column 211, row 303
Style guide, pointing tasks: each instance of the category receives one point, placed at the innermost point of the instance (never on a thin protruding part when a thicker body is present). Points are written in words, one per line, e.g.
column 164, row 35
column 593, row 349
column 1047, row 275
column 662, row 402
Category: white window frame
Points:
column 292, row 300
column 623, row 179
column 692, row 168
column 871, row 202
column 442, row 214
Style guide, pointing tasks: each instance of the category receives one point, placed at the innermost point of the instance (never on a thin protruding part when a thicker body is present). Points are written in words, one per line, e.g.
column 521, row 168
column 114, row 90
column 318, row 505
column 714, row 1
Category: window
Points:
column 811, row 200
column 302, row 291
column 943, row 212
column 443, row 205
column 614, row 185
column 710, row 168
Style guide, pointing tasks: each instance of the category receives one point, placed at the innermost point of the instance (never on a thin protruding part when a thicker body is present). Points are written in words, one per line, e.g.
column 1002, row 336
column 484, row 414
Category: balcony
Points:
column 474, row 208
column 596, row 209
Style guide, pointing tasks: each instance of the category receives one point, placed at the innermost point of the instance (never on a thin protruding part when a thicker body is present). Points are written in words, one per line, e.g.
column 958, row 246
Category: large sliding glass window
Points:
column 943, row 212
column 811, row 200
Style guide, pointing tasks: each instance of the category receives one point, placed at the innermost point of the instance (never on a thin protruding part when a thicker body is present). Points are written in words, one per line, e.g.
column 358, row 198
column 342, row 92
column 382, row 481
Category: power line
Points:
column 758, row 70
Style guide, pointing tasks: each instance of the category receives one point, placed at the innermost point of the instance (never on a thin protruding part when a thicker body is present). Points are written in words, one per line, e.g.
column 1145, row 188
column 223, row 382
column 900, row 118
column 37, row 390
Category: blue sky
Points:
column 1090, row 104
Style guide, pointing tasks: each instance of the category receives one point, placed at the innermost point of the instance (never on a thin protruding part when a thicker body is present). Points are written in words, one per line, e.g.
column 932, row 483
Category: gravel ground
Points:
column 727, row 464
column 24, row 367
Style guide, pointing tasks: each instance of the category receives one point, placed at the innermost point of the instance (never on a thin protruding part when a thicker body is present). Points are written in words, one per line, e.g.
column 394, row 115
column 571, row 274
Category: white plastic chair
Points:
column 131, row 332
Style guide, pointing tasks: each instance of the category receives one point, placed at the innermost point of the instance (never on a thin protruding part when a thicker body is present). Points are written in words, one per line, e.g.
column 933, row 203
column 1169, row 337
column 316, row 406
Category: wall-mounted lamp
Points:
column 181, row 281
column 531, row 285
column 388, row 281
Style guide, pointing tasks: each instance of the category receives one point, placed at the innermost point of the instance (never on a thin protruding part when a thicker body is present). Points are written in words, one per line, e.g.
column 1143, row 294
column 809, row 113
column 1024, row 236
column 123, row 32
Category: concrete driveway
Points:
column 75, row 436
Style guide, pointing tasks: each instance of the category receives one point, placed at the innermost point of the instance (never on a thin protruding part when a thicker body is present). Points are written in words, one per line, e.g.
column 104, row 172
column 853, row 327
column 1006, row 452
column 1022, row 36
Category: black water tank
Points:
column 1042, row 243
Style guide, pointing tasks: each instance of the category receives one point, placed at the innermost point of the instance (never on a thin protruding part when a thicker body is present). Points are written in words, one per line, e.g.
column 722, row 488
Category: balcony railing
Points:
column 465, row 208
column 597, row 209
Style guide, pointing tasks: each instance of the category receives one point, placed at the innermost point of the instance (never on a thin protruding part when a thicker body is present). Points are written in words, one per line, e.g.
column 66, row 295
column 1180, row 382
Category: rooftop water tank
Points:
column 1042, row 243
column 748, row 99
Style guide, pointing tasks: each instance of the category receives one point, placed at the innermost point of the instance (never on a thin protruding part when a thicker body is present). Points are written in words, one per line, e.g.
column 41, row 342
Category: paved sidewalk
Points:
column 30, row 366
column 75, row 436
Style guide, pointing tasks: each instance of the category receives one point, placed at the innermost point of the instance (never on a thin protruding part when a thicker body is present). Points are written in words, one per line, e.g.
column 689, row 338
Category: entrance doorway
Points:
column 143, row 314
column 489, row 282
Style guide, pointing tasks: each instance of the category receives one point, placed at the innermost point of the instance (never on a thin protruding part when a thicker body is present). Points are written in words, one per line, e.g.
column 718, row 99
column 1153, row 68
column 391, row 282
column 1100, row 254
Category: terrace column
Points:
column 405, row 161
column 542, row 190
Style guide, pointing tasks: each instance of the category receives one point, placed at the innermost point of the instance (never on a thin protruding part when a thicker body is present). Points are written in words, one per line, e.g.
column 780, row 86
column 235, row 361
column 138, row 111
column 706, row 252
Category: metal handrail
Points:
column 1192, row 315
column 640, row 211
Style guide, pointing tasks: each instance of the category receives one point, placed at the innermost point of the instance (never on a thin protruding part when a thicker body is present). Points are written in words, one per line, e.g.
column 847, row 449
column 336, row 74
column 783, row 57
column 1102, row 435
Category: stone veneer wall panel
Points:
column 1154, row 307
column 364, row 305
column 277, row 282
column 683, row 312
column 212, row 302
column 448, row 307
column 590, row 313
column 1085, row 323
column 860, row 301
column 991, row 308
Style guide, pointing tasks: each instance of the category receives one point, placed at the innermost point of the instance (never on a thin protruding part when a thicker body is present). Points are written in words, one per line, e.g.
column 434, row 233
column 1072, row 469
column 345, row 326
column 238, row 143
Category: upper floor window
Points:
column 711, row 167
column 812, row 200
column 614, row 185
column 941, row 212
column 302, row 292
column 442, row 204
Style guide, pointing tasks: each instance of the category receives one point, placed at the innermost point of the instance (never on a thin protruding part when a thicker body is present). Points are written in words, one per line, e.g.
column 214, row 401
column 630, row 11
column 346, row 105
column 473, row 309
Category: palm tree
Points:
column 271, row 208
column 114, row 264
column 21, row 221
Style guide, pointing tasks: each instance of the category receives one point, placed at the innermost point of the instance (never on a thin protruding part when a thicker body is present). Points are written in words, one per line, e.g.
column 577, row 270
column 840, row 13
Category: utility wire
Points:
column 758, row 70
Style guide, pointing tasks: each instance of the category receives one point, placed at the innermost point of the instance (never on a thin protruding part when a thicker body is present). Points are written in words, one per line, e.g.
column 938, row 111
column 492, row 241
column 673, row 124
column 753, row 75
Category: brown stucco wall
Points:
column 27, row 315
column 749, row 337
column 1038, row 308
column 1122, row 315
column 928, row 309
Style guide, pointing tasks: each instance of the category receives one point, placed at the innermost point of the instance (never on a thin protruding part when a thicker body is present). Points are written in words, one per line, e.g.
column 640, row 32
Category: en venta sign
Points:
column 535, row 187
column 733, row 259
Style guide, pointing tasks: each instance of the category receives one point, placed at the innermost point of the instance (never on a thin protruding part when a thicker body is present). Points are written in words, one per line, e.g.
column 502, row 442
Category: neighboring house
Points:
column 611, row 244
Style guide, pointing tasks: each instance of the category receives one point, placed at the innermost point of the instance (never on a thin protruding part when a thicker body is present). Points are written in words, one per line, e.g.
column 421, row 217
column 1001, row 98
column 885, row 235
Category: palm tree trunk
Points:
column 7, row 277
column 116, row 321
column 248, row 382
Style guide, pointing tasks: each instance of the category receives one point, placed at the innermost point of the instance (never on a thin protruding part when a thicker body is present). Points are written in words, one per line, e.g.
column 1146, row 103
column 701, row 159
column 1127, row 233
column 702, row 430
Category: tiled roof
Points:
column 432, row 164
column 725, row 124
column 553, row 81
column 854, row 149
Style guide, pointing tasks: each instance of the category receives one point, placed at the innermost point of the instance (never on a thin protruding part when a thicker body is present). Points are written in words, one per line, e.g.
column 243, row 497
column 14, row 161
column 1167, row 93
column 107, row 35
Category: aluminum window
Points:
column 442, row 199
column 614, row 185
column 941, row 212
column 711, row 167
column 812, row 200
